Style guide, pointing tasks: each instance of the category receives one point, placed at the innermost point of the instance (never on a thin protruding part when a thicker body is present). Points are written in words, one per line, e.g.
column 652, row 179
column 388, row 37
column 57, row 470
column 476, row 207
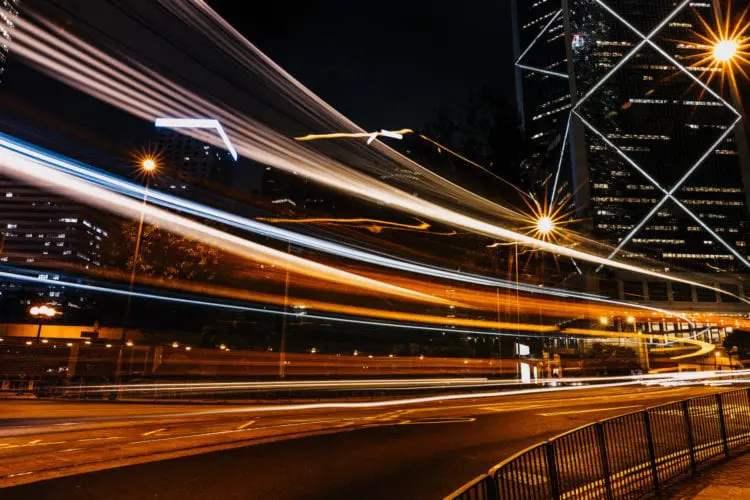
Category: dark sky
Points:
column 384, row 64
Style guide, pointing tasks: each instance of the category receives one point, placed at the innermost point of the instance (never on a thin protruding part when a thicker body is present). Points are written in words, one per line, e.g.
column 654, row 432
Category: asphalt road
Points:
column 413, row 451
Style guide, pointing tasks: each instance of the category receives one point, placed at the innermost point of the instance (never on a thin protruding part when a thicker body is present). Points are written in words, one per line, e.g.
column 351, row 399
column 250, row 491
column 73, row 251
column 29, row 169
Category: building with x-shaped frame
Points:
column 655, row 154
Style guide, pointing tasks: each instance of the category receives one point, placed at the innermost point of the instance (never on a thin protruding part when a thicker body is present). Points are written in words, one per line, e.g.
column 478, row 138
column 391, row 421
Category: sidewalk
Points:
column 729, row 479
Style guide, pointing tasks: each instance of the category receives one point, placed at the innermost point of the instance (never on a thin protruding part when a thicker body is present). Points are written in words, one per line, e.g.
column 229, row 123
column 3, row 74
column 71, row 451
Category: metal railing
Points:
column 628, row 456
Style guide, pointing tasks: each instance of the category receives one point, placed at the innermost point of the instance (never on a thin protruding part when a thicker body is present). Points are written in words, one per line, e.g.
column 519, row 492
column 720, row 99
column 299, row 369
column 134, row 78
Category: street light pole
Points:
column 147, row 166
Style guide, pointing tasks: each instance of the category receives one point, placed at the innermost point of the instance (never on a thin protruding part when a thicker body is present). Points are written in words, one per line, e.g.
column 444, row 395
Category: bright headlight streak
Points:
column 651, row 379
column 137, row 192
column 280, row 152
column 404, row 402
column 39, row 174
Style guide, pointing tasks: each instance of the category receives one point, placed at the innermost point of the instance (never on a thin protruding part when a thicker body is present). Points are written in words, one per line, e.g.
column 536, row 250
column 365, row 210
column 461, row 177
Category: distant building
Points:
column 642, row 126
column 39, row 227
column 8, row 12
column 190, row 160
column 41, row 230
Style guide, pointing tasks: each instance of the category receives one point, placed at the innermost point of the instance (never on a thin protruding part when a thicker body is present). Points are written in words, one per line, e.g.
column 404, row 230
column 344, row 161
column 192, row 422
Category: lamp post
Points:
column 41, row 313
column 148, row 166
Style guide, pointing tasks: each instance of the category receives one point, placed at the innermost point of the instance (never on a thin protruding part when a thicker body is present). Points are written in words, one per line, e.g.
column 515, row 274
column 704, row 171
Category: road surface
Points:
column 423, row 450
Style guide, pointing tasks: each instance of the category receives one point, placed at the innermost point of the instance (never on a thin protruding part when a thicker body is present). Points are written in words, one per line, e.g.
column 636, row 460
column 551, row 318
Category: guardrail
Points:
column 628, row 456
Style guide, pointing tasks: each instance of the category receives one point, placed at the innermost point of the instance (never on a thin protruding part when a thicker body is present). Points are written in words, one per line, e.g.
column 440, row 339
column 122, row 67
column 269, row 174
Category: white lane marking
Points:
column 249, row 422
column 573, row 412
column 100, row 438
column 438, row 420
column 154, row 432
column 19, row 474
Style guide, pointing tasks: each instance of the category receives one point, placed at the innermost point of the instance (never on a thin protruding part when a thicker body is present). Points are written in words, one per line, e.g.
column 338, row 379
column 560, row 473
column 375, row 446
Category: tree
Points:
column 163, row 254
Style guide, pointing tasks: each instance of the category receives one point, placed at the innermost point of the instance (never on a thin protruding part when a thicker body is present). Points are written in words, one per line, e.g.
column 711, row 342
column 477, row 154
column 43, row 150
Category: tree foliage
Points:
column 163, row 254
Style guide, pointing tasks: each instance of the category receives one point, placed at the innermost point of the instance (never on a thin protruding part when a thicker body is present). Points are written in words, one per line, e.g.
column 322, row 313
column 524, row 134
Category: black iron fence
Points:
column 628, row 456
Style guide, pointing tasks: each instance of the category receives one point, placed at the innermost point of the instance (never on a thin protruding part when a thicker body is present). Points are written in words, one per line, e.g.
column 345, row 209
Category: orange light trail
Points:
column 376, row 225
column 352, row 135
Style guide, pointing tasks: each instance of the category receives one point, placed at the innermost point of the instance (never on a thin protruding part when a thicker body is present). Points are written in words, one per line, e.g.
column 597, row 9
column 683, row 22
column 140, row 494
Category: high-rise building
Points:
column 659, row 157
column 38, row 228
column 541, row 84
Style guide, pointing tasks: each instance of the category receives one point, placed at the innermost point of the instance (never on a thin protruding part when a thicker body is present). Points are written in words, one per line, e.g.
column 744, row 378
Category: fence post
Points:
column 651, row 448
column 492, row 488
column 554, row 479
column 722, row 424
column 689, row 429
column 603, row 457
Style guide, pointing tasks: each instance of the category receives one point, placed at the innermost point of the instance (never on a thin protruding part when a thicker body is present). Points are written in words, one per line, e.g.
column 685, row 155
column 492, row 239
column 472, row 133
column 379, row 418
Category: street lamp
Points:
column 631, row 321
column 725, row 50
column 148, row 167
column 604, row 321
column 41, row 313
column 545, row 225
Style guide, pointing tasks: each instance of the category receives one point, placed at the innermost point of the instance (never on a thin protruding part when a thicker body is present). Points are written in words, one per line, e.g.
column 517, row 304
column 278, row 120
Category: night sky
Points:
column 385, row 64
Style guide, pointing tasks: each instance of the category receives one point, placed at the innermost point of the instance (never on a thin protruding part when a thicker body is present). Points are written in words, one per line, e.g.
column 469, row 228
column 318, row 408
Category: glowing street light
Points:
column 41, row 313
column 725, row 50
column 604, row 321
column 630, row 320
column 545, row 225
column 148, row 165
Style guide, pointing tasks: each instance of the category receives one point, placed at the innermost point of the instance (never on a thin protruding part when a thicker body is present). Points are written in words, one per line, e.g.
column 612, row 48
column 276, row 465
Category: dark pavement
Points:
column 424, row 453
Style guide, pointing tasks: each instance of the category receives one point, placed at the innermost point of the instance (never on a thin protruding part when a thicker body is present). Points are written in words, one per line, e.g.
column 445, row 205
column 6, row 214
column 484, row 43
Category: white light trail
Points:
column 35, row 172
column 441, row 398
column 177, row 123
column 137, row 191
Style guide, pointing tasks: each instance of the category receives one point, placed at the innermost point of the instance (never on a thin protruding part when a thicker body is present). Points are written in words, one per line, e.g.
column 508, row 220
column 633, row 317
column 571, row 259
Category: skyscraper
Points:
column 659, row 160
column 541, row 84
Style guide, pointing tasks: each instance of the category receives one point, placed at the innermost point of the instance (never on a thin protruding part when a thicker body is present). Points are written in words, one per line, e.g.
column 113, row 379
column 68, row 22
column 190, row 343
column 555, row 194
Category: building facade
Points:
column 189, row 160
column 542, row 89
column 658, row 154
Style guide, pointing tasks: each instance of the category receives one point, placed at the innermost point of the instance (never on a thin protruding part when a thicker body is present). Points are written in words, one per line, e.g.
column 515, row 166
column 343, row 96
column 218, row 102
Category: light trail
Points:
column 655, row 378
column 35, row 172
column 703, row 347
column 148, row 95
column 376, row 225
column 441, row 398
column 136, row 191
column 394, row 134
column 235, row 307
